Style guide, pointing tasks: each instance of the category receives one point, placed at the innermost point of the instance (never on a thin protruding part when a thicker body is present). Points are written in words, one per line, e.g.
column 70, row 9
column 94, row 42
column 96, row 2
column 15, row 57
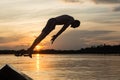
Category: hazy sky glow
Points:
column 21, row 21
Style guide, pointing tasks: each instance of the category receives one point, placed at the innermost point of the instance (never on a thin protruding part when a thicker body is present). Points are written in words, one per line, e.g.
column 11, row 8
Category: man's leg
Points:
column 36, row 41
column 49, row 27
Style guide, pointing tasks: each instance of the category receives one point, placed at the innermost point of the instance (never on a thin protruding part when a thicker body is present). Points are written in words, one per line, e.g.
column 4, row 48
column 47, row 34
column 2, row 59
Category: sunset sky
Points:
column 21, row 21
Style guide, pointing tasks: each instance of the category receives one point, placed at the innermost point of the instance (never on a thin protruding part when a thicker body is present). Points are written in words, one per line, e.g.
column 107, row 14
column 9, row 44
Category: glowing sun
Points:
column 37, row 48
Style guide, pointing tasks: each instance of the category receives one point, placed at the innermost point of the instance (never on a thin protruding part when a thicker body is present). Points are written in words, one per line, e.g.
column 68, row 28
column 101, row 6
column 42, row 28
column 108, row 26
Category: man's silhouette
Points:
column 64, row 20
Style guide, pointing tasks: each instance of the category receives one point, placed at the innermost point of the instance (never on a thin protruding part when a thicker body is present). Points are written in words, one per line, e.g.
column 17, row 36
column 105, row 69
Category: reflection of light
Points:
column 38, row 61
column 43, row 62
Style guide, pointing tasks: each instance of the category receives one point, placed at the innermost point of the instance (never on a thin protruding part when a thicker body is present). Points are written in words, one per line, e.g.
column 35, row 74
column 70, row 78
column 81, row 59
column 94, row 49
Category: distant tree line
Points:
column 100, row 49
column 7, row 51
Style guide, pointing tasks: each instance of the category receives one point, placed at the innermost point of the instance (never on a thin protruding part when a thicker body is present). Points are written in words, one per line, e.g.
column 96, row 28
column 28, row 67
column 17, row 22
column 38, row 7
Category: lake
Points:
column 66, row 66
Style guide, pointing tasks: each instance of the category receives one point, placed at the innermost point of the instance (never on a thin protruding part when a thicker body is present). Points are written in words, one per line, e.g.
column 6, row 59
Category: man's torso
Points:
column 64, row 19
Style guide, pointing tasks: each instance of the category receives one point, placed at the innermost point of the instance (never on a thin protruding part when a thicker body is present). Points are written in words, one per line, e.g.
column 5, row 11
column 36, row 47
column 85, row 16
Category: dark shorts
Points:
column 50, row 25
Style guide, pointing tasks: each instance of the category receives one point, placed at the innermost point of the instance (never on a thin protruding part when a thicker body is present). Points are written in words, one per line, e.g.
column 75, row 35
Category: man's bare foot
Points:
column 30, row 55
column 29, row 52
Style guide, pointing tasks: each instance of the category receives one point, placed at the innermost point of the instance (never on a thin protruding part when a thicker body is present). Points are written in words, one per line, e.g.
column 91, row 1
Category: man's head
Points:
column 75, row 24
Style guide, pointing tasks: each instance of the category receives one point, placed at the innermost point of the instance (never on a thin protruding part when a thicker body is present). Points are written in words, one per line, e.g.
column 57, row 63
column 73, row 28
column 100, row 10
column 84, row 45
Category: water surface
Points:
column 66, row 67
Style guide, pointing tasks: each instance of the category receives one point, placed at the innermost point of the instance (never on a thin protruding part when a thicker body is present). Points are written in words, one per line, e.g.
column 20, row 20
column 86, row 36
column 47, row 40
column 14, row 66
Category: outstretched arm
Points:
column 62, row 30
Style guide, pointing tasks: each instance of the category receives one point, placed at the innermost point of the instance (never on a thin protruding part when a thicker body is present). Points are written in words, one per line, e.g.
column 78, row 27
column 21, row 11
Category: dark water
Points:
column 66, row 67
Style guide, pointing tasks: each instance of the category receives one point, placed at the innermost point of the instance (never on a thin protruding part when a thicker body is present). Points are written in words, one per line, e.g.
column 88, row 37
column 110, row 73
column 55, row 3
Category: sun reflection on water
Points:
column 43, row 62
column 38, row 62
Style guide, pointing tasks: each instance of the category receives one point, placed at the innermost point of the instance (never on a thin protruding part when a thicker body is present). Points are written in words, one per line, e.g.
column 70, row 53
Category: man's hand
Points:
column 53, row 39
